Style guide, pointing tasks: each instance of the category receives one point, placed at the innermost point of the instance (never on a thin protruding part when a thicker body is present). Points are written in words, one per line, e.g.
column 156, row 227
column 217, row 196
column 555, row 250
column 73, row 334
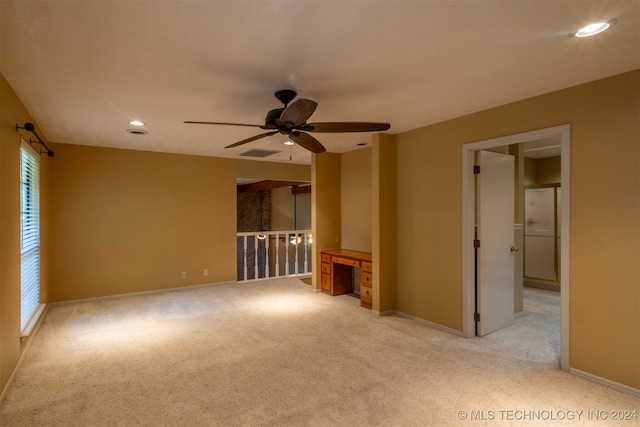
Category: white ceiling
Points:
column 84, row 69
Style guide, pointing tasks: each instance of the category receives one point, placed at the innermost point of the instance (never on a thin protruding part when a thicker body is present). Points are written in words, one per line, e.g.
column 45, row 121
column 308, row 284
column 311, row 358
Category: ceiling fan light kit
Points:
column 291, row 120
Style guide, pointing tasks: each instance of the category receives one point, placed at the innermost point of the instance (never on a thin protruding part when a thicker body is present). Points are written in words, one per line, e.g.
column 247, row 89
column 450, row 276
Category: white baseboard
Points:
column 159, row 291
column 384, row 313
column 140, row 293
column 422, row 321
column 604, row 381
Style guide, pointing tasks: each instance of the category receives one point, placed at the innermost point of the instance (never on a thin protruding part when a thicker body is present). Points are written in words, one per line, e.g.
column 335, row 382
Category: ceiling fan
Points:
column 291, row 120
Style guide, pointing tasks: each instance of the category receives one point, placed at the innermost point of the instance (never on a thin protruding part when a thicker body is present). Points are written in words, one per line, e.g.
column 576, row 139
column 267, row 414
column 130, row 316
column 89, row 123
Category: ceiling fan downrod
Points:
column 285, row 96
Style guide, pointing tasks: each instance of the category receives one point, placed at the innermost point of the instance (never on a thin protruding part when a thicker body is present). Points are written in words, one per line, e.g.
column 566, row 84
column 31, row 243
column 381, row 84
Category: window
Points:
column 30, row 307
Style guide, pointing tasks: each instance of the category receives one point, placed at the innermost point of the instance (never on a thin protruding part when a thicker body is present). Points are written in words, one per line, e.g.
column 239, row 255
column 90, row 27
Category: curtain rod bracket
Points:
column 31, row 128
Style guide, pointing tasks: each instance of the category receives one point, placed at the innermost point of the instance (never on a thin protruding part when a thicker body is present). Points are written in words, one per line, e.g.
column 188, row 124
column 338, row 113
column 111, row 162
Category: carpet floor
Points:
column 276, row 353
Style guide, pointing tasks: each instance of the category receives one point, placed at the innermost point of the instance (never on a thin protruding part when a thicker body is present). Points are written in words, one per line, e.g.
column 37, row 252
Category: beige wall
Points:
column 12, row 112
column 275, row 171
column 517, row 151
column 303, row 209
column 384, row 219
column 282, row 210
column 604, row 317
column 325, row 207
column 127, row 221
column 530, row 168
column 548, row 170
column 542, row 171
column 429, row 221
column 355, row 199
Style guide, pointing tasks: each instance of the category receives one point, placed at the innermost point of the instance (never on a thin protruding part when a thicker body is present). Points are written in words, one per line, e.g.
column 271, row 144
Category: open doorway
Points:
column 273, row 229
column 561, row 134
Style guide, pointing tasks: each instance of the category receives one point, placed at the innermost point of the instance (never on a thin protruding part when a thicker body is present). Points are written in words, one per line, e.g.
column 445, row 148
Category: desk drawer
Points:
column 366, row 296
column 326, row 258
column 366, row 266
column 366, row 278
column 346, row 261
column 326, row 268
column 325, row 282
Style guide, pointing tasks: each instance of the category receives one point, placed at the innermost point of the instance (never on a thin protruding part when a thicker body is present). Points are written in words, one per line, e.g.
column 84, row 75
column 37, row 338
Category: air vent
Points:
column 137, row 131
column 258, row 153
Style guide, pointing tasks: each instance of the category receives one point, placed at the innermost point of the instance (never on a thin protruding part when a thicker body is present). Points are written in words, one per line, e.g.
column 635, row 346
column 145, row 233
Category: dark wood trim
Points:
column 270, row 185
column 533, row 186
column 302, row 189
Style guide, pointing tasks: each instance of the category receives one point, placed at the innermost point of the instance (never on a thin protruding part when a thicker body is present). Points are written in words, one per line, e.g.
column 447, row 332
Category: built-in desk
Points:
column 337, row 273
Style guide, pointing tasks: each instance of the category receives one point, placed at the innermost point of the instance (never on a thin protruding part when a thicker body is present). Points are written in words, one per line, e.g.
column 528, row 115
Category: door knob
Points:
column 514, row 249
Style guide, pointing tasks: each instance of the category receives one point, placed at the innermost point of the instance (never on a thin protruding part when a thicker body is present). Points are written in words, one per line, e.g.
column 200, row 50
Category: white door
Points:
column 495, row 258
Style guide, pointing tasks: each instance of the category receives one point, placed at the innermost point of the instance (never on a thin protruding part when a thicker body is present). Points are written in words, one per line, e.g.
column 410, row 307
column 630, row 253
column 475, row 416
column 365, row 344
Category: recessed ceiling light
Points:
column 288, row 143
column 136, row 123
column 593, row 29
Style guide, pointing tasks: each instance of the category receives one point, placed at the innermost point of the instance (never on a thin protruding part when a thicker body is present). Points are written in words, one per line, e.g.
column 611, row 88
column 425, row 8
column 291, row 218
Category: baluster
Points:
column 301, row 257
column 277, row 254
column 295, row 265
column 256, row 274
column 306, row 251
column 244, row 251
column 266, row 255
column 286, row 252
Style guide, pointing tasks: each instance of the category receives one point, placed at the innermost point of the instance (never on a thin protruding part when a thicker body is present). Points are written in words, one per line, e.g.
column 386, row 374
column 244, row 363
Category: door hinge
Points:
column 476, row 317
column 476, row 243
column 476, row 169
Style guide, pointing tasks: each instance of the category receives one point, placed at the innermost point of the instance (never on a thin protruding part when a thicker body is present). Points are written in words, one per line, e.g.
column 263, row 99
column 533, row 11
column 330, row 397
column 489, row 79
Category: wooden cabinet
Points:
column 337, row 270
column 325, row 279
column 366, row 296
column 366, row 285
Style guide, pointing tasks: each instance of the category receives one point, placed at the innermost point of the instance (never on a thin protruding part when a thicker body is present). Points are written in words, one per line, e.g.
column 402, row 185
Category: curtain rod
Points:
column 31, row 128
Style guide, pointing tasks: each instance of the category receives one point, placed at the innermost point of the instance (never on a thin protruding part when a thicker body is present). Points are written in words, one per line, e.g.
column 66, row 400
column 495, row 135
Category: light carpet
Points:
column 276, row 353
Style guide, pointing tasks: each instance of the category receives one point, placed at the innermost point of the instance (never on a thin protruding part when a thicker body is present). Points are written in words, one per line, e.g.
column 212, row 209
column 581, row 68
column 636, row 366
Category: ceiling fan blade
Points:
column 307, row 141
column 348, row 127
column 298, row 112
column 253, row 138
column 226, row 124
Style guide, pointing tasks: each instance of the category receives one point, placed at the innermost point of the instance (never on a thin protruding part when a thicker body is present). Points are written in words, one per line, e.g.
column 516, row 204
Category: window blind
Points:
column 29, row 235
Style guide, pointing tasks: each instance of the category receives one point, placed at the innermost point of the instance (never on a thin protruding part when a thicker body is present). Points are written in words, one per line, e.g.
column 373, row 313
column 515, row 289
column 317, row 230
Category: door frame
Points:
column 468, row 223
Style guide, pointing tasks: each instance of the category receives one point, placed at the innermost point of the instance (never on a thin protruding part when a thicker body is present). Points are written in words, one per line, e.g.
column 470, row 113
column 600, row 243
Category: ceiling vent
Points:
column 137, row 131
column 258, row 153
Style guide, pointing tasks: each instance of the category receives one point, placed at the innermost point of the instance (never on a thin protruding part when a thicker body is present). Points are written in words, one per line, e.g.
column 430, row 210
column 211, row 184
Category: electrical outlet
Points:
column 184, row 274
column 206, row 272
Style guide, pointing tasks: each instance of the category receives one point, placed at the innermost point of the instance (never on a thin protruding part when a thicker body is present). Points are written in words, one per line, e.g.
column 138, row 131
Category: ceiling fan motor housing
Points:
column 285, row 96
column 273, row 118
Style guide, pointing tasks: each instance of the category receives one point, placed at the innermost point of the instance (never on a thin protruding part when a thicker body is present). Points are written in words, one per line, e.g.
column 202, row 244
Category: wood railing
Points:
column 268, row 254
